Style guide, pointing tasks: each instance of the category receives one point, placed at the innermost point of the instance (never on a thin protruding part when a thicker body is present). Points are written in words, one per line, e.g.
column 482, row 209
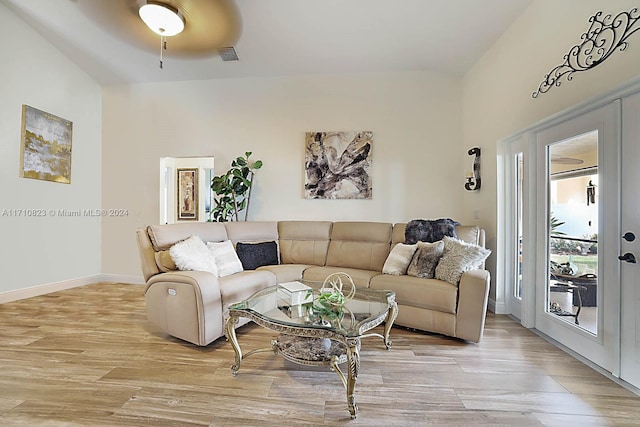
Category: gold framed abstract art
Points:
column 45, row 151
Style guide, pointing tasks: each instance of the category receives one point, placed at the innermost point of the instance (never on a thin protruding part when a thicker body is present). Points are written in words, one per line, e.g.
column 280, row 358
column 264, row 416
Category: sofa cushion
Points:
column 254, row 255
column 285, row 272
column 164, row 261
column 359, row 245
column 225, row 256
column 166, row 235
column 251, row 231
column 361, row 278
column 411, row 291
column 192, row 254
column 470, row 234
column 399, row 259
column 424, row 262
column 240, row 286
column 304, row 242
column 458, row 258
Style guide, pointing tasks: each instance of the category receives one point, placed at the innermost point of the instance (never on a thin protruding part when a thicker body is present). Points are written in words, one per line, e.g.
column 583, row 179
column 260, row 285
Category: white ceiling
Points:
column 279, row 37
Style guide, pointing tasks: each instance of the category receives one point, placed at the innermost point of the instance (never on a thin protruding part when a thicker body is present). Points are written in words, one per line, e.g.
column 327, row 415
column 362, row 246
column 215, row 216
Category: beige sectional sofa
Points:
column 191, row 305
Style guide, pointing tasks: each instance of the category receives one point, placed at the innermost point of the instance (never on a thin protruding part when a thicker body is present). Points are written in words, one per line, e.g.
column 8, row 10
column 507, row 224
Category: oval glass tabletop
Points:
column 293, row 305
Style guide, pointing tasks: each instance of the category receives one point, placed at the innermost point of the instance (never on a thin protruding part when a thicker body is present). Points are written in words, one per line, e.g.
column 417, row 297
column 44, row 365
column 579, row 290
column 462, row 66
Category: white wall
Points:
column 497, row 90
column 41, row 250
column 417, row 154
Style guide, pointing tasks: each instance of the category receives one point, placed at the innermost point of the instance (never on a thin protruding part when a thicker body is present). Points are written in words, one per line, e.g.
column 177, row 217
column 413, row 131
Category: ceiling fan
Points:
column 211, row 27
column 560, row 160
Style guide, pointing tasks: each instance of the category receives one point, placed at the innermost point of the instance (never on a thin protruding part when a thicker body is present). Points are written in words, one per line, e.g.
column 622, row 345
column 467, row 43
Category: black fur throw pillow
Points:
column 254, row 255
column 429, row 230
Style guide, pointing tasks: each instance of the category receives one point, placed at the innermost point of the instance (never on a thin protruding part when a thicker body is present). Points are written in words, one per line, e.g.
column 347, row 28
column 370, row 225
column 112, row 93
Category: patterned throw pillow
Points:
column 225, row 256
column 192, row 254
column 458, row 258
column 254, row 255
column 425, row 259
column 399, row 259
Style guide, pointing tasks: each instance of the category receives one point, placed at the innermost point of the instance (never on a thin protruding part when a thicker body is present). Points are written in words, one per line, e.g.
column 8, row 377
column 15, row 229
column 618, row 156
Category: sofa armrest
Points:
column 473, row 294
column 186, row 305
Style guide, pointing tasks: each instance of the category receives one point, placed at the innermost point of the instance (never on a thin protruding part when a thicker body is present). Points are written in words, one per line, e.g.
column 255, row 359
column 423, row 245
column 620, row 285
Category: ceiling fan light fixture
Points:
column 161, row 18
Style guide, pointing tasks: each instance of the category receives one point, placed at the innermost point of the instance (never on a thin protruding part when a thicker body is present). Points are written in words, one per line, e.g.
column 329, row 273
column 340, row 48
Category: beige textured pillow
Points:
column 458, row 258
column 399, row 259
column 425, row 259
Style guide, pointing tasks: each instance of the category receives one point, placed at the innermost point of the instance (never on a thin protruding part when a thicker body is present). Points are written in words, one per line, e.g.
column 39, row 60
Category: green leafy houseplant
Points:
column 233, row 189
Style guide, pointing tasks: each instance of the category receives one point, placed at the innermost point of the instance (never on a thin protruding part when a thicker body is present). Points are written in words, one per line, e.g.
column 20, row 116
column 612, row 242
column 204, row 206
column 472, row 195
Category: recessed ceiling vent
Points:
column 228, row 53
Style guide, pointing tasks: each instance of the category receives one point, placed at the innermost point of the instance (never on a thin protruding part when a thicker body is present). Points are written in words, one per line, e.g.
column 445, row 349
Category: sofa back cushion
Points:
column 468, row 233
column 252, row 231
column 471, row 234
column 166, row 235
column 363, row 245
column 304, row 242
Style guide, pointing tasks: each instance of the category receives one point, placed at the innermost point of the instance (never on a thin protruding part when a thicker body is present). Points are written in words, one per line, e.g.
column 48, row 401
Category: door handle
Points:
column 629, row 236
column 628, row 257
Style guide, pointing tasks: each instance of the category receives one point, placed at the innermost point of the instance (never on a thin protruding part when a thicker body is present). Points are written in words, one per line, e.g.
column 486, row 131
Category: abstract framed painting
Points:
column 45, row 151
column 187, row 193
column 338, row 165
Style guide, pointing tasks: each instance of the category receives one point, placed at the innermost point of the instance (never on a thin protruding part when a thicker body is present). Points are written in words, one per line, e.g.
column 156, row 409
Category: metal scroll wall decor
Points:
column 474, row 182
column 605, row 35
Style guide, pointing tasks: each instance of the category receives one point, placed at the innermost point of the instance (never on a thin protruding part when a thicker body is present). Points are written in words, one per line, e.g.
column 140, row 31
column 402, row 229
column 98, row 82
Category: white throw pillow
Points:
column 193, row 254
column 226, row 258
column 458, row 258
column 399, row 259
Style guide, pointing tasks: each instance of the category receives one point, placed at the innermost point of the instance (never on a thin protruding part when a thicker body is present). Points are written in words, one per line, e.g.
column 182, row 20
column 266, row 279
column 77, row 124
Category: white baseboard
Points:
column 48, row 288
column 497, row 308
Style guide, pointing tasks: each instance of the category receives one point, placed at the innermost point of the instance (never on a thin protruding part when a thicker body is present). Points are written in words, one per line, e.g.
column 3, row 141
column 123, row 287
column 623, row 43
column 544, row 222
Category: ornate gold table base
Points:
column 314, row 346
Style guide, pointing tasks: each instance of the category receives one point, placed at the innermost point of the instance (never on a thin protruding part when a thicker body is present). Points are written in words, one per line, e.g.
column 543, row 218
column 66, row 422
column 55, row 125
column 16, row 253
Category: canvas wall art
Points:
column 187, row 194
column 338, row 165
column 45, row 146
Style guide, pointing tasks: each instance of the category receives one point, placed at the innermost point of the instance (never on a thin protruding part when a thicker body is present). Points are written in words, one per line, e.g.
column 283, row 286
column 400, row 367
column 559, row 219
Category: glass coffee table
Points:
column 311, row 334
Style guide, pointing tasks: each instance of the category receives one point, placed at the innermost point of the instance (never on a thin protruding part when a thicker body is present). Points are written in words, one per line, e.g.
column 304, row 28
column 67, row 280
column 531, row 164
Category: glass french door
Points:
column 578, row 198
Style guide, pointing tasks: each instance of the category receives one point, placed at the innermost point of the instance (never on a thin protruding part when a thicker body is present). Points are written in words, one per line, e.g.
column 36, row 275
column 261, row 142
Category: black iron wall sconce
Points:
column 473, row 181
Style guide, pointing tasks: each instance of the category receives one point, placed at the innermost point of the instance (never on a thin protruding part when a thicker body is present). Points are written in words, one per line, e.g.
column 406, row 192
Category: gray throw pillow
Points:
column 458, row 258
column 424, row 261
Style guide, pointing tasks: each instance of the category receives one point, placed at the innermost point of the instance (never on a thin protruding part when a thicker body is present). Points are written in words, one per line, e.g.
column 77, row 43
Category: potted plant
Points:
column 233, row 189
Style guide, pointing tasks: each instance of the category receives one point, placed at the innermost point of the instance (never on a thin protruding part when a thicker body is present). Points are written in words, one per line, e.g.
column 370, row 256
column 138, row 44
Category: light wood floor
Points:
column 88, row 357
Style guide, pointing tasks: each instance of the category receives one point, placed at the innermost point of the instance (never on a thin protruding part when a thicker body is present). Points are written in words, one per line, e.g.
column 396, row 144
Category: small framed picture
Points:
column 187, row 193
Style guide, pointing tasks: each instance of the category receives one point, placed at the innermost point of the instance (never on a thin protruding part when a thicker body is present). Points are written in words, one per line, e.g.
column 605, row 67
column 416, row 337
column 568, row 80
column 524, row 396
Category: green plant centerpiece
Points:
column 337, row 289
column 233, row 189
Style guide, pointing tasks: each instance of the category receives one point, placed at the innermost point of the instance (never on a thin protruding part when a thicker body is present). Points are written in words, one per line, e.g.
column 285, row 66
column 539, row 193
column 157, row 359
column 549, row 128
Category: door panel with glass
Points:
column 577, row 193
